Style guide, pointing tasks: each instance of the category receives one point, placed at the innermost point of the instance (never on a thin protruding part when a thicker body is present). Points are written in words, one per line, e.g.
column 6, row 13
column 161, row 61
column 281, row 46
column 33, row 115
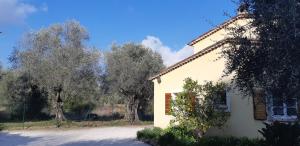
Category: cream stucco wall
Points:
column 218, row 35
column 207, row 68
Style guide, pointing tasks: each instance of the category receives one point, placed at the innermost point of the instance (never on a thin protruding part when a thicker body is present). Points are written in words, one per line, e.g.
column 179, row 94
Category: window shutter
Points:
column 168, row 103
column 259, row 105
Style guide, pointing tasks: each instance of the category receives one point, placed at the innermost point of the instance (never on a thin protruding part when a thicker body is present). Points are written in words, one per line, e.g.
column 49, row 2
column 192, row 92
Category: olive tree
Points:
column 271, row 59
column 128, row 68
column 57, row 60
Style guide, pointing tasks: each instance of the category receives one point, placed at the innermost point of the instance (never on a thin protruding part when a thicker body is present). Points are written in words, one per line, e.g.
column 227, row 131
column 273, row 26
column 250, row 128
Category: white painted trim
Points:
column 283, row 117
column 173, row 96
column 227, row 107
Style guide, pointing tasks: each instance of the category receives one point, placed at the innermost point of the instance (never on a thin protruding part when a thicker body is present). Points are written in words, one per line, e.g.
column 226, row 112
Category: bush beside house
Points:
column 275, row 134
column 281, row 134
column 177, row 136
column 197, row 107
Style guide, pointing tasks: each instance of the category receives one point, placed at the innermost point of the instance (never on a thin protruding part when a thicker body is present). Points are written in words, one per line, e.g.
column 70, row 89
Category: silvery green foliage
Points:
column 128, row 69
column 21, row 98
column 57, row 57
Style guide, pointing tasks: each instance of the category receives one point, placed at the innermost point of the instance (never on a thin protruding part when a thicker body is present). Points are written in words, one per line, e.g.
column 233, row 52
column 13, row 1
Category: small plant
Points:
column 150, row 135
column 177, row 136
column 281, row 134
column 228, row 141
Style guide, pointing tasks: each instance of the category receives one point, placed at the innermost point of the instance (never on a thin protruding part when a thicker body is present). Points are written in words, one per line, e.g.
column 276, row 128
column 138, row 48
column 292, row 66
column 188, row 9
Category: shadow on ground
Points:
column 7, row 139
column 108, row 142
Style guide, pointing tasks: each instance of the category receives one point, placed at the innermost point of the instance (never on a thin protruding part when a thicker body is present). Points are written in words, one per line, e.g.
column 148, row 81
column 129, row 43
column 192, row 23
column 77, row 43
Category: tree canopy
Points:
column 271, row 59
column 57, row 60
column 128, row 68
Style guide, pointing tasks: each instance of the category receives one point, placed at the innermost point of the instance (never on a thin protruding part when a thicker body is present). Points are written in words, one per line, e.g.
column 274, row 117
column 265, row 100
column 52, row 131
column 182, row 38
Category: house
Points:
column 247, row 114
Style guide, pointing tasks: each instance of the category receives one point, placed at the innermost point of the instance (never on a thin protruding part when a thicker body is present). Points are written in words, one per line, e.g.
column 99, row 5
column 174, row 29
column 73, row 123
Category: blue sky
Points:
column 165, row 25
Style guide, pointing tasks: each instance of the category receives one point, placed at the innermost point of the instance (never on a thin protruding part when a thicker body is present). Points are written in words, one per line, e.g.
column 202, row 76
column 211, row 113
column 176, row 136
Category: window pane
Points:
column 277, row 102
column 291, row 102
column 291, row 111
column 221, row 98
column 278, row 110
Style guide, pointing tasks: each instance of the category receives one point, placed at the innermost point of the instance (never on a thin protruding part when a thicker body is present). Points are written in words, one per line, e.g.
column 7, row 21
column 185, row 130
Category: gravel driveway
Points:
column 110, row 136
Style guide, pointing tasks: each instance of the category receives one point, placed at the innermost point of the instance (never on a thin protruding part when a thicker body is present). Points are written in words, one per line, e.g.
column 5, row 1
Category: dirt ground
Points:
column 109, row 136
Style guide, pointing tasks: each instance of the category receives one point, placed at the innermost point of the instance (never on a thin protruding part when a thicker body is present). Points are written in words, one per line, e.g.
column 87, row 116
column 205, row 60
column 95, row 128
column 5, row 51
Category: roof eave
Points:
column 215, row 29
column 191, row 58
column 201, row 37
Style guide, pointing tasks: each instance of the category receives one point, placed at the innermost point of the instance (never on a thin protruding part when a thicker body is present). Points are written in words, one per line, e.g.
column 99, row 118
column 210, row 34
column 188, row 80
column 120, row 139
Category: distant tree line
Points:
column 53, row 73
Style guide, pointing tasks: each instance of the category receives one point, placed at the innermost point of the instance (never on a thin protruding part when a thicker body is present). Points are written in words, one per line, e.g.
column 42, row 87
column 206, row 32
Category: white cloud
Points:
column 16, row 11
column 44, row 7
column 169, row 56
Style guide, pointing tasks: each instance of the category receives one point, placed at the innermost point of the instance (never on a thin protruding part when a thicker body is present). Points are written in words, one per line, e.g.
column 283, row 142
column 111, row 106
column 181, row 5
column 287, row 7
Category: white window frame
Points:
column 285, row 117
column 227, row 107
column 173, row 97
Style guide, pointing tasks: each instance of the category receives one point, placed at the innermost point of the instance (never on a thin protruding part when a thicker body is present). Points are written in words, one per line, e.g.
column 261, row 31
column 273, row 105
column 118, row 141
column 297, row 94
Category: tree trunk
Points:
column 132, row 110
column 136, row 115
column 59, row 115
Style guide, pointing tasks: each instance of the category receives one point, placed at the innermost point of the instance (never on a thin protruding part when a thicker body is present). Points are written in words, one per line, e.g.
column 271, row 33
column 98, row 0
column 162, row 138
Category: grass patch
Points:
column 66, row 124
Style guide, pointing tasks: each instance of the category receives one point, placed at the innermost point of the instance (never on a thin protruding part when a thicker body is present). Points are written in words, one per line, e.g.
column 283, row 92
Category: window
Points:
column 168, row 99
column 284, row 109
column 222, row 101
column 174, row 95
column 221, row 98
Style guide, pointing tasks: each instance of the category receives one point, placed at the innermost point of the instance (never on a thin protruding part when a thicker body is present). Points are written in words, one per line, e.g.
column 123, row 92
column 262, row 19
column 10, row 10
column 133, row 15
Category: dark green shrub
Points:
column 180, row 136
column 79, row 107
column 1, row 127
column 251, row 142
column 150, row 135
column 228, row 141
column 177, row 136
column 281, row 134
column 23, row 98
